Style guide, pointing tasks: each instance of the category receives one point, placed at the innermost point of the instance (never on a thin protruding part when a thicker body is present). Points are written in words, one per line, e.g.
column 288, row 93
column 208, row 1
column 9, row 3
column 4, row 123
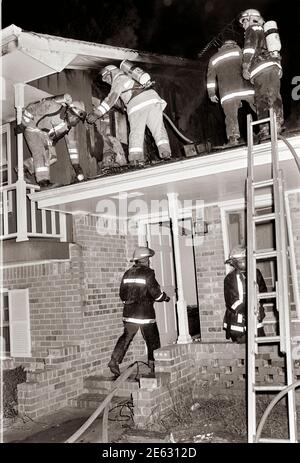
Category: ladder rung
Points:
column 269, row 388
column 262, row 121
column 277, row 441
column 263, row 183
column 267, row 339
column 268, row 295
column 265, row 254
column 264, row 218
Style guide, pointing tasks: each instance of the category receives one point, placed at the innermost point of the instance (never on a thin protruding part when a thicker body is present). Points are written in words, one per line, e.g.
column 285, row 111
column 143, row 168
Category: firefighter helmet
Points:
column 141, row 252
column 107, row 70
column 237, row 257
column 253, row 16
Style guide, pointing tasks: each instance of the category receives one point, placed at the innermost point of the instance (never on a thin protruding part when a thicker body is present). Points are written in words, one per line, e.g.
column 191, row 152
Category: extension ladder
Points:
column 281, row 293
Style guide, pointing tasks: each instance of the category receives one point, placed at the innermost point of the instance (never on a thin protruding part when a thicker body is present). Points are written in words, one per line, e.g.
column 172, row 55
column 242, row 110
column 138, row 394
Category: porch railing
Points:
column 22, row 219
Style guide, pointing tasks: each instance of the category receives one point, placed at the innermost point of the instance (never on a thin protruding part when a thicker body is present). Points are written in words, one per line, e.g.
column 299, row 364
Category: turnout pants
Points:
column 267, row 95
column 150, row 334
column 152, row 117
column 231, row 108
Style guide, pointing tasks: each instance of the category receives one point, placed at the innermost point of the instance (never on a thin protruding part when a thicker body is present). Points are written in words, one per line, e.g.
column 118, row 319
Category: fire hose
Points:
column 177, row 130
column 292, row 150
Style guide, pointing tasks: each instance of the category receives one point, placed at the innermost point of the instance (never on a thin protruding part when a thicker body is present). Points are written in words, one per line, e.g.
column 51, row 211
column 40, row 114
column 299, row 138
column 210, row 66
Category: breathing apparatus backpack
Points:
column 136, row 73
column 272, row 37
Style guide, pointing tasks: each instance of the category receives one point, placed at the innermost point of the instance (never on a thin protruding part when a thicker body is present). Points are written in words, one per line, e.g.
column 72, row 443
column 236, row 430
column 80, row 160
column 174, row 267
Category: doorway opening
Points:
column 160, row 238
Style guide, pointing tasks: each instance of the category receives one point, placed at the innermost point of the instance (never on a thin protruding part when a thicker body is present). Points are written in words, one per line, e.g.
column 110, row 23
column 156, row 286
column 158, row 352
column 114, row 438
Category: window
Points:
column 5, row 160
column 5, row 164
column 5, row 335
column 15, row 323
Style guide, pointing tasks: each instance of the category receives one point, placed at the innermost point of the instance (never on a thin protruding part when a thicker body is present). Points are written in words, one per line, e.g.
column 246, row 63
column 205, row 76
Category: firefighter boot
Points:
column 264, row 133
column 114, row 367
column 78, row 172
column 233, row 140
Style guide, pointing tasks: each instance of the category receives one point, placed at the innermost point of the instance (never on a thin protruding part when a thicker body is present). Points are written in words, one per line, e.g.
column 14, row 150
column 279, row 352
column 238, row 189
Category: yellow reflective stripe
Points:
column 42, row 169
column 264, row 66
column 240, row 291
column 163, row 142
column 143, row 105
column 225, row 56
column 257, row 28
column 74, row 156
column 139, row 321
column 135, row 150
column 211, row 85
column 237, row 94
column 236, row 328
column 249, row 50
column 160, row 297
column 240, row 318
column 141, row 281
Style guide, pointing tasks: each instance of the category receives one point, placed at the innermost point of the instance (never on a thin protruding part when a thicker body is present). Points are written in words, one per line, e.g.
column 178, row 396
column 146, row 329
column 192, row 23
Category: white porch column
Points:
column 20, row 184
column 142, row 234
column 183, row 326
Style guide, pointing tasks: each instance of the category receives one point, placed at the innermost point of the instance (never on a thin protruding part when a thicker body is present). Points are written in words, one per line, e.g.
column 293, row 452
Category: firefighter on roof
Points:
column 138, row 291
column 234, row 322
column 262, row 65
column 43, row 124
column 224, row 74
column 144, row 108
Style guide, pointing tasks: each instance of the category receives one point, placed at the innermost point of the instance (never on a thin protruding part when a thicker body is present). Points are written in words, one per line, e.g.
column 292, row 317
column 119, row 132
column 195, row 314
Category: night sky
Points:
column 174, row 27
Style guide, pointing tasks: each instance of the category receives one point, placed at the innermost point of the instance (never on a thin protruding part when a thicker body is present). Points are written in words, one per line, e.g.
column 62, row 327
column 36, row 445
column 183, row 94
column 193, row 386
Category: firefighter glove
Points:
column 93, row 117
column 167, row 299
column 214, row 99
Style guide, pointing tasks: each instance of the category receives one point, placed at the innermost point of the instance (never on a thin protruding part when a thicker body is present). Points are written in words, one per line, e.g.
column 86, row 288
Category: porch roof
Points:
column 27, row 56
column 212, row 178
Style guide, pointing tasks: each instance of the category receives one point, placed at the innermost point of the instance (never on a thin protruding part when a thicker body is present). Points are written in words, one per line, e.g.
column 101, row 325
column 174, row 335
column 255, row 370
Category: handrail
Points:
column 13, row 186
column 102, row 407
column 276, row 399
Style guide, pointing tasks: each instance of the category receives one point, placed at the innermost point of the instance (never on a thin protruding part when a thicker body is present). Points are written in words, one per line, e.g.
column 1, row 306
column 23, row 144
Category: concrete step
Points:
column 103, row 384
column 93, row 400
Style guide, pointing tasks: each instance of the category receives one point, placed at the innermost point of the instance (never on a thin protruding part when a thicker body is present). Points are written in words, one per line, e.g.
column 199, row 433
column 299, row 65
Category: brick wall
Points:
column 75, row 316
column 187, row 372
column 210, row 269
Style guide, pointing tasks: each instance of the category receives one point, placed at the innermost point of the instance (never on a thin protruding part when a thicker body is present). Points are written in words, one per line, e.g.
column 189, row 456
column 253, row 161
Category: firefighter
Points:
column 43, row 124
column 225, row 74
column 262, row 66
column 235, row 297
column 139, row 290
column 144, row 108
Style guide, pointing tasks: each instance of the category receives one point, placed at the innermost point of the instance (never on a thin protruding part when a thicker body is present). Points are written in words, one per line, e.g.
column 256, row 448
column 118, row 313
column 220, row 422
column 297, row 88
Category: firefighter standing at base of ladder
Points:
column 235, row 297
column 44, row 123
column 144, row 108
column 262, row 66
column 224, row 73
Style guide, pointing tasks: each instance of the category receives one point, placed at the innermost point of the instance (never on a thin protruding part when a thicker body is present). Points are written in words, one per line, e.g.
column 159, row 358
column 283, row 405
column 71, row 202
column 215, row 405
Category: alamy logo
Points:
column 296, row 89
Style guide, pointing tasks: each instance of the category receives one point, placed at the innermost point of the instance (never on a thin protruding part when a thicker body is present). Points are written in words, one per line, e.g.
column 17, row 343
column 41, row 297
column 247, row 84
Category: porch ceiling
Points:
column 212, row 178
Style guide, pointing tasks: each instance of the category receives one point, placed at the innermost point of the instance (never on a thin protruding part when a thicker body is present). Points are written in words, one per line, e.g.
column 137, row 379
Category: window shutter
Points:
column 19, row 323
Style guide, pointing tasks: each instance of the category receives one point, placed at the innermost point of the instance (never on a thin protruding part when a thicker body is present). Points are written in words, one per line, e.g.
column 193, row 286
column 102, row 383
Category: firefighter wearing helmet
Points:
column 234, row 322
column 262, row 66
column 44, row 123
column 144, row 108
column 139, row 290
column 225, row 76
